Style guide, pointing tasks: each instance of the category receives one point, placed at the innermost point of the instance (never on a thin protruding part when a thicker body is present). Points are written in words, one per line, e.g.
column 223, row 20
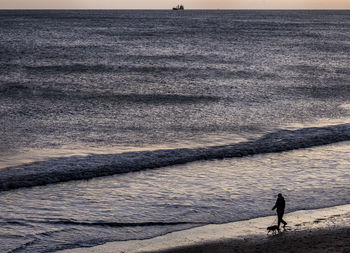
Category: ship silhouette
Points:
column 178, row 8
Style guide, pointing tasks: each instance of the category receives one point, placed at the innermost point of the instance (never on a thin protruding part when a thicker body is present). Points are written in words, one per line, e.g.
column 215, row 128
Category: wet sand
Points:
column 321, row 230
column 319, row 240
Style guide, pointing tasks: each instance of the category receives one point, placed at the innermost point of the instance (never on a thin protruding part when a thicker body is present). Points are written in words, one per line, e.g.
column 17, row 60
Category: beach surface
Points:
column 320, row 230
column 320, row 240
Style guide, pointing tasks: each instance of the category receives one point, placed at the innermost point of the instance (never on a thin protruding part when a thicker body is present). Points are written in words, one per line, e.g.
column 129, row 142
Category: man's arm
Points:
column 274, row 207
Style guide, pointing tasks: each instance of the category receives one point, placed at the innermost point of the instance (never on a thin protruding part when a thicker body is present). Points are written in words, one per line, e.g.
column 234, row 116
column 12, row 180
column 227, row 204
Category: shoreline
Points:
column 328, row 226
column 320, row 240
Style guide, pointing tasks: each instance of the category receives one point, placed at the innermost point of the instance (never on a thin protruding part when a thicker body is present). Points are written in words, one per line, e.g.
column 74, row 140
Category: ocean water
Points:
column 120, row 125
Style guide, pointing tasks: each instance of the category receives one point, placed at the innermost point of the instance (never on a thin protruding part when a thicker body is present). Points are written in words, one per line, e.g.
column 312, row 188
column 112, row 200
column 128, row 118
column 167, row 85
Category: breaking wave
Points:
column 26, row 222
column 112, row 224
column 87, row 167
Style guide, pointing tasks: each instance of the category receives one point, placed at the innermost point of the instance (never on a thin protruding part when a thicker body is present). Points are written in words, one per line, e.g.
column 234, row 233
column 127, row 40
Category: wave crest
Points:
column 87, row 167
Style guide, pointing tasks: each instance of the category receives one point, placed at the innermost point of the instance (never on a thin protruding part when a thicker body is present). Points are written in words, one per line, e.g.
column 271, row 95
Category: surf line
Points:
column 87, row 167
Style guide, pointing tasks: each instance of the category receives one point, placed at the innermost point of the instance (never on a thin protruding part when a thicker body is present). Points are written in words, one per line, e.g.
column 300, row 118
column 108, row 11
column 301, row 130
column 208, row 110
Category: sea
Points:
column 118, row 125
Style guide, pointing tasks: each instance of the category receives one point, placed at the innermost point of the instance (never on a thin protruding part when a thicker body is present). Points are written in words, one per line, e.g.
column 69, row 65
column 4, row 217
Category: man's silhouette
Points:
column 280, row 205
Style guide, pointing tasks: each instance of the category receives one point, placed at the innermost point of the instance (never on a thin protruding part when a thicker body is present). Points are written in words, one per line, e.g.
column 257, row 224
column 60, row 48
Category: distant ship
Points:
column 178, row 8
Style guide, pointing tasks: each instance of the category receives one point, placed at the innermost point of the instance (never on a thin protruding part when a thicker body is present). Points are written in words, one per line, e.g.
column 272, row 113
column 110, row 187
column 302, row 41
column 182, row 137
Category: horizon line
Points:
column 170, row 9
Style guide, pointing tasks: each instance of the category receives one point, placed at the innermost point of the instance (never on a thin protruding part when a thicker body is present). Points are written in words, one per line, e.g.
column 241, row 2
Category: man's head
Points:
column 279, row 195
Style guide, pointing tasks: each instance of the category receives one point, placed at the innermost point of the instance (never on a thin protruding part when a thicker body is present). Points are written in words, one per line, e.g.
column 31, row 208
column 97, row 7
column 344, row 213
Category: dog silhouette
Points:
column 273, row 229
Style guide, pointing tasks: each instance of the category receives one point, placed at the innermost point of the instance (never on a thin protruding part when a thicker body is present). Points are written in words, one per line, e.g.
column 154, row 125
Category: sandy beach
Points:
column 318, row 240
column 321, row 230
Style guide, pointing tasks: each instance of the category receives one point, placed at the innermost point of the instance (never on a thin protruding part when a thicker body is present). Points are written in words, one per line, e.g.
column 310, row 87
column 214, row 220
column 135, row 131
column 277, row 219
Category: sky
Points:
column 167, row 4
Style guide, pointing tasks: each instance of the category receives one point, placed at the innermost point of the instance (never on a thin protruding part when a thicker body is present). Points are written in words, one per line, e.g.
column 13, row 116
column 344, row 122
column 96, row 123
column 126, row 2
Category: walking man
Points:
column 280, row 205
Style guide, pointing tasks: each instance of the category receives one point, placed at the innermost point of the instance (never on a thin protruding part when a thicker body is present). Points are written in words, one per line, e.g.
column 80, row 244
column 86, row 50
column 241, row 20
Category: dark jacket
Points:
column 280, row 204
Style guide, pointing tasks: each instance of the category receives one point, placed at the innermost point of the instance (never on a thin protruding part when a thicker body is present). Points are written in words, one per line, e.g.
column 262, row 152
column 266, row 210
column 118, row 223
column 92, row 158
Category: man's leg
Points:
column 280, row 219
column 279, row 216
column 284, row 222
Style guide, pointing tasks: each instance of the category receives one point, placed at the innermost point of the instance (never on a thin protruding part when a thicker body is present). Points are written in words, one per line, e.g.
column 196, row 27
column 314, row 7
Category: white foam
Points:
column 345, row 106
column 85, row 167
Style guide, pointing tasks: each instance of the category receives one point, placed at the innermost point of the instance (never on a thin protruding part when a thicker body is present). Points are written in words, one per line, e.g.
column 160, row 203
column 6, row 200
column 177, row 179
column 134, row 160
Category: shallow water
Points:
column 303, row 221
column 152, row 202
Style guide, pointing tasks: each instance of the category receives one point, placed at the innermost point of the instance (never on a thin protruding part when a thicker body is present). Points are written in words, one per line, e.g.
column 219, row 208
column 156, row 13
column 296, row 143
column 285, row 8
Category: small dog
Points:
column 273, row 229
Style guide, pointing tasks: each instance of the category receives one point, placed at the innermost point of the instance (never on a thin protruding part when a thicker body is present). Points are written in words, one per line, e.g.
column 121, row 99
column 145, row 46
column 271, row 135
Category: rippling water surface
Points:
column 97, row 93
